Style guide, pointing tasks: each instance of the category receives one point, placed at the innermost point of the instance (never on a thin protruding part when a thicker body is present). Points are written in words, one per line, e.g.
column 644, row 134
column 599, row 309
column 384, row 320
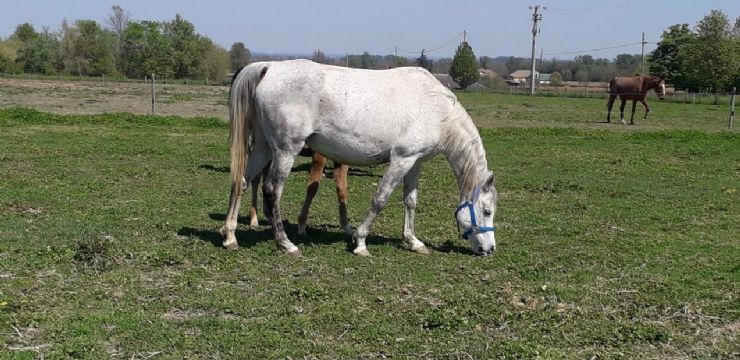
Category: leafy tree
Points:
column 8, row 53
column 239, row 56
column 146, row 50
column 24, row 33
column 713, row 60
column 367, row 61
column 425, row 62
column 464, row 69
column 86, row 49
column 39, row 54
column 665, row 61
column 187, row 47
column 556, row 79
column 215, row 64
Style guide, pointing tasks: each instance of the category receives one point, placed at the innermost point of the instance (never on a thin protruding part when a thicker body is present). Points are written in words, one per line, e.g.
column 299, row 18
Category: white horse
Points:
column 401, row 116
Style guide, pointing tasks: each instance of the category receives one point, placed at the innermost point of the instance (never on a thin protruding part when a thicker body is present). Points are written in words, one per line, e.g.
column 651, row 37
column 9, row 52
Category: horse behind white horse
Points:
column 401, row 116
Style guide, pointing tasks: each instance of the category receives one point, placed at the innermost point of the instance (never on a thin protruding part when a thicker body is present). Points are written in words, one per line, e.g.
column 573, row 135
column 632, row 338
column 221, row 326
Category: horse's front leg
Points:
column 279, row 170
column 340, row 177
column 397, row 169
column 647, row 108
column 314, row 177
column 410, row 191
column 632, row 117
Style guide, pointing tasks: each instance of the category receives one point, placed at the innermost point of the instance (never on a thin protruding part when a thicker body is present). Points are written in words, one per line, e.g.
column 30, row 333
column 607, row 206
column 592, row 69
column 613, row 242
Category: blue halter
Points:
column 474, row 228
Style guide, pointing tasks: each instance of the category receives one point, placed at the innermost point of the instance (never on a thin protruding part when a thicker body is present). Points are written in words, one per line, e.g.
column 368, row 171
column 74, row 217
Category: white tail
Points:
column 241, row 100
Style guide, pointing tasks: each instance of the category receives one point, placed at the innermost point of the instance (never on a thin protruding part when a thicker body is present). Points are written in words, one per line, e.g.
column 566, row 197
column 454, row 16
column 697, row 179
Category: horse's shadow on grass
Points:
column 305, row 167
column 317, row 235
column 208, row 167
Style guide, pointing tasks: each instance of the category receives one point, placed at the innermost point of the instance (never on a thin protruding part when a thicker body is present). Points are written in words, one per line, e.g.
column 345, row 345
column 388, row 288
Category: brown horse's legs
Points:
column 253, row 221
column 340, row 177
column 609, row 107
column 647, row 108
column 632, row 117
column 621, row 111
column 314, row 177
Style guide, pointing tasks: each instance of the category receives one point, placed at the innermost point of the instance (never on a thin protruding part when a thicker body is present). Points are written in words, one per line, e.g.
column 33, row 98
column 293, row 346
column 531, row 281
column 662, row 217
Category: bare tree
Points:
column 118, row 20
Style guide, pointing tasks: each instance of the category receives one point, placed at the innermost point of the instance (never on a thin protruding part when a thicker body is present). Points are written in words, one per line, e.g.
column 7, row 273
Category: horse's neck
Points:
column 463, row 148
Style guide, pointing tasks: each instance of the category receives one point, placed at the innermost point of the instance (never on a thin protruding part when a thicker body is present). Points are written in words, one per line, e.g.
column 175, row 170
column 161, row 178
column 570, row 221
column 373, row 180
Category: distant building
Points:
column 520, row 76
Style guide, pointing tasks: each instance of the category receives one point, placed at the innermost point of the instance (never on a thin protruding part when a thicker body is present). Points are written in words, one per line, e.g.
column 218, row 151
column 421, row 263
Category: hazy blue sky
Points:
column 495, row 28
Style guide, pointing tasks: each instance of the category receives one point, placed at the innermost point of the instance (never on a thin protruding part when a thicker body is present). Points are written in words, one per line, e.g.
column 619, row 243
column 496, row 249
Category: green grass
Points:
column 614, row 242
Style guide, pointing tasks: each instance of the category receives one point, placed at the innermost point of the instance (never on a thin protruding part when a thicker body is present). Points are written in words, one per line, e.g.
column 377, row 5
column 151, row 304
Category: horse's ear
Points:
column 488, row 185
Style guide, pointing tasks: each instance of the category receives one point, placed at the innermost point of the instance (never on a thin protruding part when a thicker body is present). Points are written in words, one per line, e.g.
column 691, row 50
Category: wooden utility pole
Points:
column 642, row 67
column 536, row 17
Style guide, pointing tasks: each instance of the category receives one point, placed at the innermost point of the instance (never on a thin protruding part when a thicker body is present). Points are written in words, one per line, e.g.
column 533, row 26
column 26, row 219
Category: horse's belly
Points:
column 351, row 152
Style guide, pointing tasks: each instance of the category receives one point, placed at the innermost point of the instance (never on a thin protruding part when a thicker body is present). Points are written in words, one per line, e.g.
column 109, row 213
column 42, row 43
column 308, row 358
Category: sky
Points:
column 494, row 28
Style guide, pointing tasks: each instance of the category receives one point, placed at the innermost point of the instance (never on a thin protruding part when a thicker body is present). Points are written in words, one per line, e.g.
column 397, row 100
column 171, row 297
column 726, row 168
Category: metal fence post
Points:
column 154, row 96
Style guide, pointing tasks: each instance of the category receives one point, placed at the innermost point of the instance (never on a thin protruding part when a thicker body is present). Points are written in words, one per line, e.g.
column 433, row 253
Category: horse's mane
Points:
column 462, row 146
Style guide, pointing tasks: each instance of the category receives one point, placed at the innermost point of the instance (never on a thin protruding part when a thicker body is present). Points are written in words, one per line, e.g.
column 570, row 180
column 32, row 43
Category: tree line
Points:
column 705, row 58
column 126, row 47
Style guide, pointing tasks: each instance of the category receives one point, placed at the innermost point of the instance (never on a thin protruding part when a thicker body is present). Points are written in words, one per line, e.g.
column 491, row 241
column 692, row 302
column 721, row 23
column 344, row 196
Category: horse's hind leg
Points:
column 632, row 117
column 314, row 177
column 397, row 169
column 257, row 161
column 282, row 162
column 410, row 190
column 609, row 107
column 340, row 177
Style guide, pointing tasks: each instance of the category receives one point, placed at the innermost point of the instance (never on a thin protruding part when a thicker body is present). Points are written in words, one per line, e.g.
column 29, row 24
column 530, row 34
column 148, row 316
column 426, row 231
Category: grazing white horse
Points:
column 401, row 116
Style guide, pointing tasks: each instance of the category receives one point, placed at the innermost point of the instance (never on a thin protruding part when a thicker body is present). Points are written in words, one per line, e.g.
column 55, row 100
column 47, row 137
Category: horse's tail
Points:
column 242, row 118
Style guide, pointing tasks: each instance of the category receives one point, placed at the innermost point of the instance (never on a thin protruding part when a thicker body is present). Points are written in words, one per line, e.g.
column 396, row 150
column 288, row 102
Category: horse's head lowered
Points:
column 475, row 218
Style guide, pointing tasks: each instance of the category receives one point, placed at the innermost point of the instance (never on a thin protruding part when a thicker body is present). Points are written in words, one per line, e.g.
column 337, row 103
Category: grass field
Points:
column 614, row 242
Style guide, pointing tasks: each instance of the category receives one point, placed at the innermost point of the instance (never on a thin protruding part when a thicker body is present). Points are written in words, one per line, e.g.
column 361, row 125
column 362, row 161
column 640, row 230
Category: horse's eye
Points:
column 487, row 212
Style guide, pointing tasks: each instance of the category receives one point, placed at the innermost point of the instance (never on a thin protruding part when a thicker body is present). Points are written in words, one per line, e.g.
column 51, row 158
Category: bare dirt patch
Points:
column 85, row 97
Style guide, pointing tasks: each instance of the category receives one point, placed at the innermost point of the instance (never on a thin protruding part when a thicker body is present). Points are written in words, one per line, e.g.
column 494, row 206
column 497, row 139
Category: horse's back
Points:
column 351, row 115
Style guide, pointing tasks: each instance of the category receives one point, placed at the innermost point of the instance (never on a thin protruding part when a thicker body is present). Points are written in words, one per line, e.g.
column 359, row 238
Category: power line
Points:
column 613, row 6
column 599, row 49
column 458, row 36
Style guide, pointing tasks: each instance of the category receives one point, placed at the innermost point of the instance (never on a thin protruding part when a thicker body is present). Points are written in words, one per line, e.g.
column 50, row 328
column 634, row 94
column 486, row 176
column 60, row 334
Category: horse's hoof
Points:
column 348, row 230
column 296, row 254
column 421, row 250
column 302, row 230
column 362, row 252
column 254, row 223
column 232, row 246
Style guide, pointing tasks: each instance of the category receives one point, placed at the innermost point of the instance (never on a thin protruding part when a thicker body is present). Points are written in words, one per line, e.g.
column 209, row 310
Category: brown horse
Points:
column 633, row 88
column 316, row 173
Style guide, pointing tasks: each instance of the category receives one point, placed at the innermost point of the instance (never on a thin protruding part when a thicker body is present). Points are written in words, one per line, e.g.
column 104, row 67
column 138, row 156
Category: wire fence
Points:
column 684, row 97
column 589, row 90
column 104, row 78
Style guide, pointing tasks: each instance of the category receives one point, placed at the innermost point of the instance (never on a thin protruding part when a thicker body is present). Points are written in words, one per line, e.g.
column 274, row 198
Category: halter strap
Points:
column 474, row 228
